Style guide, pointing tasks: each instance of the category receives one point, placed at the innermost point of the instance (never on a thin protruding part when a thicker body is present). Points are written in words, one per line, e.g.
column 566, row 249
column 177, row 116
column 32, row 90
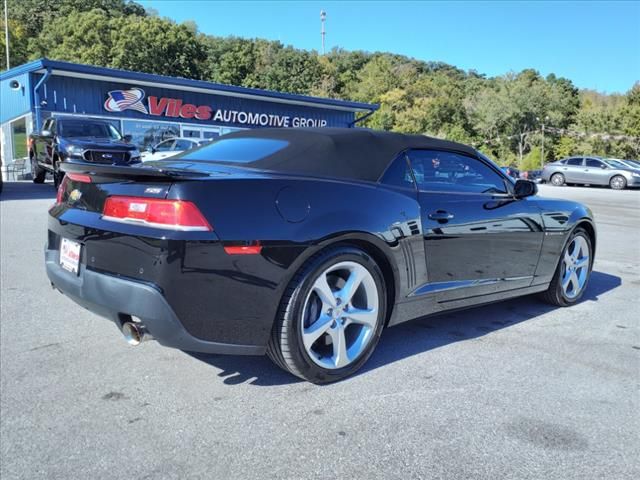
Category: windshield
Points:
column 615, row 164
column 83, row 128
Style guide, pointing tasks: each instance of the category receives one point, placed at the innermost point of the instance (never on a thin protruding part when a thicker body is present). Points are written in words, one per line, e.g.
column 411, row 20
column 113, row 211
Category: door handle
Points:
column 441, row 216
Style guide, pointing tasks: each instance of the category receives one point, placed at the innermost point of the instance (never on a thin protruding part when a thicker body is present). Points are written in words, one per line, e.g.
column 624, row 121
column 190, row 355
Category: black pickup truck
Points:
column 73, row 139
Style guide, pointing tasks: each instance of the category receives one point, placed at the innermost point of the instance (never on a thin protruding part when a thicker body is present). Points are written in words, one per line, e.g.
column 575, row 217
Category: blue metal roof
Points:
column 113, row 73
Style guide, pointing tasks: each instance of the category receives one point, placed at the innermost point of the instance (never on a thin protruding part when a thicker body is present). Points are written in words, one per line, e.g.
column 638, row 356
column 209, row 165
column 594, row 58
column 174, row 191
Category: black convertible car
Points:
column 304, row 244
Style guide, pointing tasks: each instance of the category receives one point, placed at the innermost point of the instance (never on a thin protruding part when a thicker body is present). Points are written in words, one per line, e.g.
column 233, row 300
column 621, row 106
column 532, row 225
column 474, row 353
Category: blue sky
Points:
column 595, row 44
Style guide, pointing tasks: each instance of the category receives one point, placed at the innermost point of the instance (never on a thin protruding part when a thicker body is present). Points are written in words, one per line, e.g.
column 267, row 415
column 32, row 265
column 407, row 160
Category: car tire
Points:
column 558, row 292
column 557, row 179
column 38, row 173
column 57, row 179
column 294, row 346
column 618, row 182
column 57, row 174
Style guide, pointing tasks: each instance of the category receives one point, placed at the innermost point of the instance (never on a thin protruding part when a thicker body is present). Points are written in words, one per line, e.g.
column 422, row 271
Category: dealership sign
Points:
column 132, row 99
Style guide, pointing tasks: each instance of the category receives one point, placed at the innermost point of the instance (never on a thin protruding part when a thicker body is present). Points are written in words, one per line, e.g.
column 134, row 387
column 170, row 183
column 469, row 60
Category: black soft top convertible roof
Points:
column 356, row 154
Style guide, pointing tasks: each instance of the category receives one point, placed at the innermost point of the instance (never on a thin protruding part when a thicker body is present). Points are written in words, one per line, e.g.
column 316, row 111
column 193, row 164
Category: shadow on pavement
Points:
column 414, row 337
column 27, row 190
column 428, row 333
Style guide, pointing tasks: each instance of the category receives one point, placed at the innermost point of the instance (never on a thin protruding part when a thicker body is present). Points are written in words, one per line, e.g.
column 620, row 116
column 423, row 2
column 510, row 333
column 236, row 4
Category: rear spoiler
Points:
column 138, row 171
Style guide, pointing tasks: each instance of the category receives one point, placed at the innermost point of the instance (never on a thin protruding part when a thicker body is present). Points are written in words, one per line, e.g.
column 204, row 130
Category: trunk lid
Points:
column 86, row 186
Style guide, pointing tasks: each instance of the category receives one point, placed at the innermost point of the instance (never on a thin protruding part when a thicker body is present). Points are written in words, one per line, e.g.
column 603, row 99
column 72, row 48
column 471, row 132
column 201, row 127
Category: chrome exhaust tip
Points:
column 135, row 333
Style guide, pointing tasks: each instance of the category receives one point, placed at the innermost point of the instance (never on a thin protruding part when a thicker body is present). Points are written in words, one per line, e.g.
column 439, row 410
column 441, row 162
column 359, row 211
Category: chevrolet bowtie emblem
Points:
column 75, row 195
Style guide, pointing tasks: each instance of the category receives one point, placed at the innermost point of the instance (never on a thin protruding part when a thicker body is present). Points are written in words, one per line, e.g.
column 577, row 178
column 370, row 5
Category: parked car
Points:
column 172, row 146
column 305, row 243
column 511, row 171
column 74, row 139
column 591, row 171
column 532, row 175
column 634, row 164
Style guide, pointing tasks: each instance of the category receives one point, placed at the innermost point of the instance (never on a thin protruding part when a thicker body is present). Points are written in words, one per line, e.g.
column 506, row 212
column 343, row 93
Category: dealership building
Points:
column 150, row 107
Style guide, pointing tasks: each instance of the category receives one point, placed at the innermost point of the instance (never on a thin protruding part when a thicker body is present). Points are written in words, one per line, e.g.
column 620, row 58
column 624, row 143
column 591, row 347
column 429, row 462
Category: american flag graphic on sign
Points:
column 120, row 100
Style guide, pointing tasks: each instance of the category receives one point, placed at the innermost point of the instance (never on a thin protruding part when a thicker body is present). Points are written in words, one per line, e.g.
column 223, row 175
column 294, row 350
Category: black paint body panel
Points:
column 495, row 248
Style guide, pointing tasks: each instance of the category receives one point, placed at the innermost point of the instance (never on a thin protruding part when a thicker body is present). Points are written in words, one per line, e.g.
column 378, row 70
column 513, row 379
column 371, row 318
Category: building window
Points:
column 210, row 134
column 19, row 138
column 190, row 133
column 148, row 134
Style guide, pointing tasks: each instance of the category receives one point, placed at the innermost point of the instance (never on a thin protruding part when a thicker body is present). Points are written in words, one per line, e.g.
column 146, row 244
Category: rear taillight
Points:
column 156, row 212
column 61, row 189
column 79, row 177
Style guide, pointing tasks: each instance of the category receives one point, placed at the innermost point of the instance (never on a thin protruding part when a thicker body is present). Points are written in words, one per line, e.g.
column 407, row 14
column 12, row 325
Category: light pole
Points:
column 545, row 119
column 6, row 33
column 323, row 17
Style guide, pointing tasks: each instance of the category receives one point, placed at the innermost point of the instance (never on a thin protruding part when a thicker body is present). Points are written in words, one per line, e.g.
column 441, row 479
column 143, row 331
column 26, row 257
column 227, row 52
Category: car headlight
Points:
column 634, row 174
column 134, row 153
column 74, row 150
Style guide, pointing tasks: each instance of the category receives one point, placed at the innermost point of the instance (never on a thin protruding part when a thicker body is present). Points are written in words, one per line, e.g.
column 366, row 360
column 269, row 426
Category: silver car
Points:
column 633, row 164
column 591, row 171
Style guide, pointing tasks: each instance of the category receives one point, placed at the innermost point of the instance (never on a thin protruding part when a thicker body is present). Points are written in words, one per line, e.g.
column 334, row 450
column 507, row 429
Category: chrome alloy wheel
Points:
column 575, row 267
column 340, row 315
column 618, row 182
column 557, row 179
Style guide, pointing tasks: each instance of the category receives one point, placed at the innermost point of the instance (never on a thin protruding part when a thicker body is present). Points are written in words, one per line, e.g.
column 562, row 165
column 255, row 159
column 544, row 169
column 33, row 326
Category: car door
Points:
column 572, row 170
column 478, row 238
column 39, row 144
column 45, row 146
column 595, row 172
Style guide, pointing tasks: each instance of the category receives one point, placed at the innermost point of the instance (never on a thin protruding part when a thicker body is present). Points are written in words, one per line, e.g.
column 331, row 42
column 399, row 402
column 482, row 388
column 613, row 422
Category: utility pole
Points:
column 323, row 17
column 6, row 33
column 542, row 144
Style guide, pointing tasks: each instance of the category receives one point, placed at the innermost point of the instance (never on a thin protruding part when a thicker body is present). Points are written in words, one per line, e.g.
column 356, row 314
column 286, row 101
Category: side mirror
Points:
column 46, row 134
column 525, row 188
column 127, row 138
column 603, row 166
column 150, row 149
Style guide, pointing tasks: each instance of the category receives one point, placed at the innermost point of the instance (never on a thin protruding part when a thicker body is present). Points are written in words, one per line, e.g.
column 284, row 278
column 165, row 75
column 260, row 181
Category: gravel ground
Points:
column 512, row 390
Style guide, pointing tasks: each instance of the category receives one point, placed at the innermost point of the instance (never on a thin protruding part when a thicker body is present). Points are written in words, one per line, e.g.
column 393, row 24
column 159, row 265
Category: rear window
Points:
column 236, row 150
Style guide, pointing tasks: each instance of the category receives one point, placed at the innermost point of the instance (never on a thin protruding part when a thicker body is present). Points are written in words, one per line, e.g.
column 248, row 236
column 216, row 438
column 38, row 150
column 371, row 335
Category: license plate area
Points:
column 70, row 255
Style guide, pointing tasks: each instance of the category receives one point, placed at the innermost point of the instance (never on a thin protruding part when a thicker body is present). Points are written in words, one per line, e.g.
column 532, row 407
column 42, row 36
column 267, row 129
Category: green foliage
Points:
column 502, row 116
column 83, row 37
column 155, row 45
column 565, row 147
column 532, row 161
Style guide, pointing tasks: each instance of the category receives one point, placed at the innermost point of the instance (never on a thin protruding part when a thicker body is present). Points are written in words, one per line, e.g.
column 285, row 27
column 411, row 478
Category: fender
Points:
column 559, row 218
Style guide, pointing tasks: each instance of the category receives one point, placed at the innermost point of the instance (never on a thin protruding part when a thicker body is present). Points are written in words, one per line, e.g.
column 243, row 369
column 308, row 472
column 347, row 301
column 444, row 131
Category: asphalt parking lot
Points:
column 513, row 390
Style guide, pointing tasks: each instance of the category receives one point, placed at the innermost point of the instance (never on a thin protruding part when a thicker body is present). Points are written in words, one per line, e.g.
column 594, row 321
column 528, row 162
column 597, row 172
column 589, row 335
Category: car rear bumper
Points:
column 118, row 299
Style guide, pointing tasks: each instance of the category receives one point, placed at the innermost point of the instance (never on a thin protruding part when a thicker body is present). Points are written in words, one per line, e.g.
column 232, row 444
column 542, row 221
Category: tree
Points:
column 293, row 71
column 18, row 42
column 83, row 37
column 532, row 161
column 156, row 45
column 565, row 147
